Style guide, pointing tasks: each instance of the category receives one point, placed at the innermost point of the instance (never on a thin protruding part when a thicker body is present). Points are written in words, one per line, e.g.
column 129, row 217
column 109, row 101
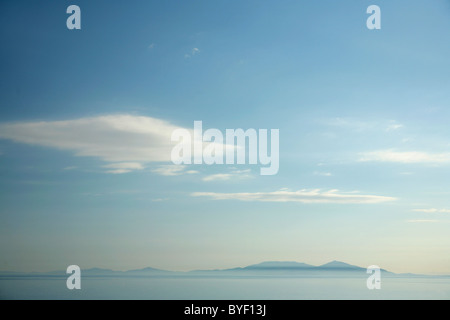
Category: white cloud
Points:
column 422, row 221
column 113, row 138
column 123, row 167
column 303, row 196
column 235, row 174
column 128, row 140
column 218, row 176
column 405, row 157
column 433, row 210
column 323, row 174
column 70, row 168
column 173, row 170
column 360, row 125
column 124, row 142
column 393, row 125
column 193, row 52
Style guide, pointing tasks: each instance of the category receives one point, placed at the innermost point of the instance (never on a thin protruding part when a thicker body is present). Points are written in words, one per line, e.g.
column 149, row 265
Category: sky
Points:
column 86, row 118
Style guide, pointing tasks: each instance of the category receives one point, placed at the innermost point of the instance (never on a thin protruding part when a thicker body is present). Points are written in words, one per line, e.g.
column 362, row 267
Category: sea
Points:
column 222, row 288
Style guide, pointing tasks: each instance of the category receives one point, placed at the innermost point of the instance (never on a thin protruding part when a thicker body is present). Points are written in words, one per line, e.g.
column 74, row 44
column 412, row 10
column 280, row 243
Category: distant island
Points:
column 263, row 269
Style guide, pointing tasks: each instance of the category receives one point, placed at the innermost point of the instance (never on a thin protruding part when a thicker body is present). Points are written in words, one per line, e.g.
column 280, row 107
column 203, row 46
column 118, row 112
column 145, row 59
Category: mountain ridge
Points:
column 265, row 267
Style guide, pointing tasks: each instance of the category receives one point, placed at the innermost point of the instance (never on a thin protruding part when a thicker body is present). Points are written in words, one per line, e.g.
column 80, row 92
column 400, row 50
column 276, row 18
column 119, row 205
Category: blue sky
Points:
column 86, row 117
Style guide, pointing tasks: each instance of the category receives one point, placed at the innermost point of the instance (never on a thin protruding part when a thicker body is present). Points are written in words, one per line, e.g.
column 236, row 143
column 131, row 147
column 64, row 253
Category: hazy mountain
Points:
column 99, row 271
column 338, row 265
column 277, row 265
column 147, row 270
column 267, row 268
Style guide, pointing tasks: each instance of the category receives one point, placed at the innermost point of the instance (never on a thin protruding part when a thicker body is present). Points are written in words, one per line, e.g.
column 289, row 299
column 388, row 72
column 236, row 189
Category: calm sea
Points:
column 176, row 288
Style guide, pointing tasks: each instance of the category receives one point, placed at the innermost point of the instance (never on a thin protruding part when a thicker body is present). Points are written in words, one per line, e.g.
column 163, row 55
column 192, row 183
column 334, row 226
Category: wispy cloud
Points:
column 113, row 138
column 392, row 126
column 218, row 176
column 127, row 142
column 361, row 125
column 303, row 196
column 173, row 170
column 193, row 52
column 422, row 221
column 235, row 174
column 160, row 199
column 405, row 157
column 70, row 168
column 123, row 167
column 323, row 174
column 432, row 210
